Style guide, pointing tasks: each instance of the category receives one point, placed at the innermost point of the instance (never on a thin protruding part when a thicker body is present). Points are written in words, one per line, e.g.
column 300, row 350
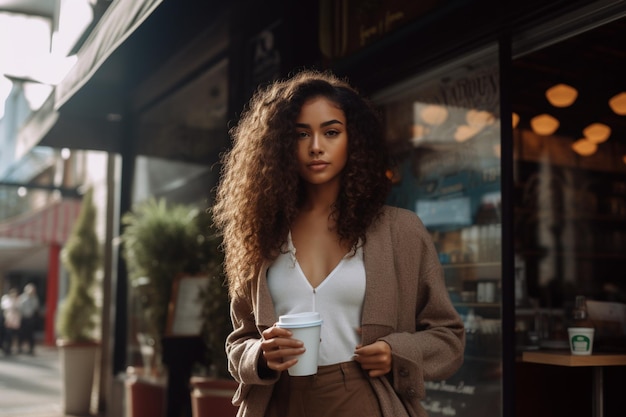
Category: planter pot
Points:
column 145, row 393
column 211, row 397
column 78, row 362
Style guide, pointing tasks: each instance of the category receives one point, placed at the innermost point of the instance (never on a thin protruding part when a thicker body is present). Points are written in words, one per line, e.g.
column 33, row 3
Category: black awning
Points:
column 119, row 21
column 132, row 40
column 47, row 127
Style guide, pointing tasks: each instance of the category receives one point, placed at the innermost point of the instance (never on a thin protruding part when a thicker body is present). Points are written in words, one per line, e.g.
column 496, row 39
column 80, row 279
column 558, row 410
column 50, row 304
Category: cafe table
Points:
column 597, row 361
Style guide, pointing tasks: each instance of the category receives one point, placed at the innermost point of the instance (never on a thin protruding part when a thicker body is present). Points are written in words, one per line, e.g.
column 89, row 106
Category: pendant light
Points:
column 618, row 103
column 561, row 95
column 515, row 120
column 479, row 118
column 584, row 147
column 544, row 124
column 465, row 132
column 597, row 132
column 434, row 115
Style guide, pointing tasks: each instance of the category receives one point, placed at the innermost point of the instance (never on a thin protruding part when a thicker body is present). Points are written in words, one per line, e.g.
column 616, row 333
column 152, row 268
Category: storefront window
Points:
column 570, row 199
column 444, row 133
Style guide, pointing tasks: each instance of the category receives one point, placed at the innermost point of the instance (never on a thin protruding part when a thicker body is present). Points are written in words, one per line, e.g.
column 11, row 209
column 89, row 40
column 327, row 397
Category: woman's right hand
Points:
column 278, row 344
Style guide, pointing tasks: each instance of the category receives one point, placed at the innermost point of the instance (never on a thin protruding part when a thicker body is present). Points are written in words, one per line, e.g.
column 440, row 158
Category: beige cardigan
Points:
column 406, row 305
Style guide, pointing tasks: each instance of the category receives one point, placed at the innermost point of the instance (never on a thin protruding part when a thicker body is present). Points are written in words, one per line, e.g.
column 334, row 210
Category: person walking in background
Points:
column 2, row 328
column 29, row 309
column 12, row 318
column 301, row 208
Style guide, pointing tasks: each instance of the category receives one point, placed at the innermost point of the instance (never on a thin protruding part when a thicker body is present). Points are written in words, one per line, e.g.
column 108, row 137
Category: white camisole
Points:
column 338, row 299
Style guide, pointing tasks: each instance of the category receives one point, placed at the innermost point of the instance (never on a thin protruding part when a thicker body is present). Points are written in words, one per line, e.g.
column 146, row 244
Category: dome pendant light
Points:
column 544, row 124
column 597, row 132
column 561, row 95
column 584, row 147
column 434, row 115
column 515, row 120
column 465, row 132
column 618, row 103
column 479, row 118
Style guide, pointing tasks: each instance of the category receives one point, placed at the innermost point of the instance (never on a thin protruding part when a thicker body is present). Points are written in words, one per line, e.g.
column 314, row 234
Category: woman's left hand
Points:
column 374, row 358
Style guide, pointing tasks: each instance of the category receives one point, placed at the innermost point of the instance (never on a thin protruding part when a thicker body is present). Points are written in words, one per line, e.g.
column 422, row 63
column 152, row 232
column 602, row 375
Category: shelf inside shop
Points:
column 473, row 265
column 477, row 305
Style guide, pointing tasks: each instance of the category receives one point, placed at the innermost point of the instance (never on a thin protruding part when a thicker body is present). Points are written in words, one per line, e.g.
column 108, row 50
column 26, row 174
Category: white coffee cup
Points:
column 305, row 327
column 581, row 340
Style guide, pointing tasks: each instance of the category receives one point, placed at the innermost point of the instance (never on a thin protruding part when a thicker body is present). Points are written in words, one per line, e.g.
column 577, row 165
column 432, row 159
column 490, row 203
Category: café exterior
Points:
column 158, row 83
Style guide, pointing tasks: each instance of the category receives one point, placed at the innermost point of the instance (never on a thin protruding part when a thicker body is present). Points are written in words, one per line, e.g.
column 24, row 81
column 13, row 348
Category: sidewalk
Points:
column 30, row 386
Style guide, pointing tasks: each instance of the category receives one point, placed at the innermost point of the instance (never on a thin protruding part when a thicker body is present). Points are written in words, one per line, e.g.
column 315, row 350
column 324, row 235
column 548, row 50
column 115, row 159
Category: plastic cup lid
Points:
column 296, row 320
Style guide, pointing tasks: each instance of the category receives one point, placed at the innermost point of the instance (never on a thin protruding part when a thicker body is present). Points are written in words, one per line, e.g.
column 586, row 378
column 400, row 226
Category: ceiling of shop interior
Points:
column 593, row 62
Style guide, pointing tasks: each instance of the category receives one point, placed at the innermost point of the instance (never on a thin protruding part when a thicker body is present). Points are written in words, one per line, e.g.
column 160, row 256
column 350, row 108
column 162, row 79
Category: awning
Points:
column 45, row 127
column 82, row 130
column 35, row 128
column 119, row 21
column 50, row 225
column 132, row 39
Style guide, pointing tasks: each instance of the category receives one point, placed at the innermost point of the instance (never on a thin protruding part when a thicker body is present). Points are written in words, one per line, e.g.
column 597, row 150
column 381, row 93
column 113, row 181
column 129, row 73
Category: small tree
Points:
column 81, row 256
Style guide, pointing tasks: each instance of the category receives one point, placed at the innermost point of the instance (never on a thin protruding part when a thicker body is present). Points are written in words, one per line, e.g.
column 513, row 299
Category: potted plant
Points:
column 78, row 345
column 160, row 241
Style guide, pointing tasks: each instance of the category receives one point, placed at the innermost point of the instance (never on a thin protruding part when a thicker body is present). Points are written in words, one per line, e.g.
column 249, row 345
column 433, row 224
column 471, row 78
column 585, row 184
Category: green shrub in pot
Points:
column 160, row 242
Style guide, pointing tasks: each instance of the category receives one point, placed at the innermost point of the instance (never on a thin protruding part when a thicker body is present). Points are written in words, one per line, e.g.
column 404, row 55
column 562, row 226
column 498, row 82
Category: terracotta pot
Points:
column 145, row 393
column 78, row 362
column 211, row 397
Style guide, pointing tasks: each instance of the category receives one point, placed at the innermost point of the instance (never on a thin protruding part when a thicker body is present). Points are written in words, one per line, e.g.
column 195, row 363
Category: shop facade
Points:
column 506, row 206
column 511, row 208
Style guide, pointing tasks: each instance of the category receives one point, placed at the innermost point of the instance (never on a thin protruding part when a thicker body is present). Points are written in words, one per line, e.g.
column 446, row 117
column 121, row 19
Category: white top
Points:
column 338, row 299
column 29, row 304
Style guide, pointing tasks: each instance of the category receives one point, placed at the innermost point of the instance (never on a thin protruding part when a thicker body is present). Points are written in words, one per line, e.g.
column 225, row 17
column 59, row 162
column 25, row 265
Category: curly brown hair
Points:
column 260, row 191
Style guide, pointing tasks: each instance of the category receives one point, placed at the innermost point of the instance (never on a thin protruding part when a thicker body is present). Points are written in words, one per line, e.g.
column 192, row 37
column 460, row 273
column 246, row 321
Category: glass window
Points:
column 570, row 187
column 444, row 133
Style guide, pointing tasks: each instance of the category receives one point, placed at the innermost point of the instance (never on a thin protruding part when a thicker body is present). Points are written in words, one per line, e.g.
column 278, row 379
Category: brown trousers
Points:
column 340, row 390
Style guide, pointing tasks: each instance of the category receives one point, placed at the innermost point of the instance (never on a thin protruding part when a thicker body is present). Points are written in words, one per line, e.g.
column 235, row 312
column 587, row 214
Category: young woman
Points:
column 301, row 206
